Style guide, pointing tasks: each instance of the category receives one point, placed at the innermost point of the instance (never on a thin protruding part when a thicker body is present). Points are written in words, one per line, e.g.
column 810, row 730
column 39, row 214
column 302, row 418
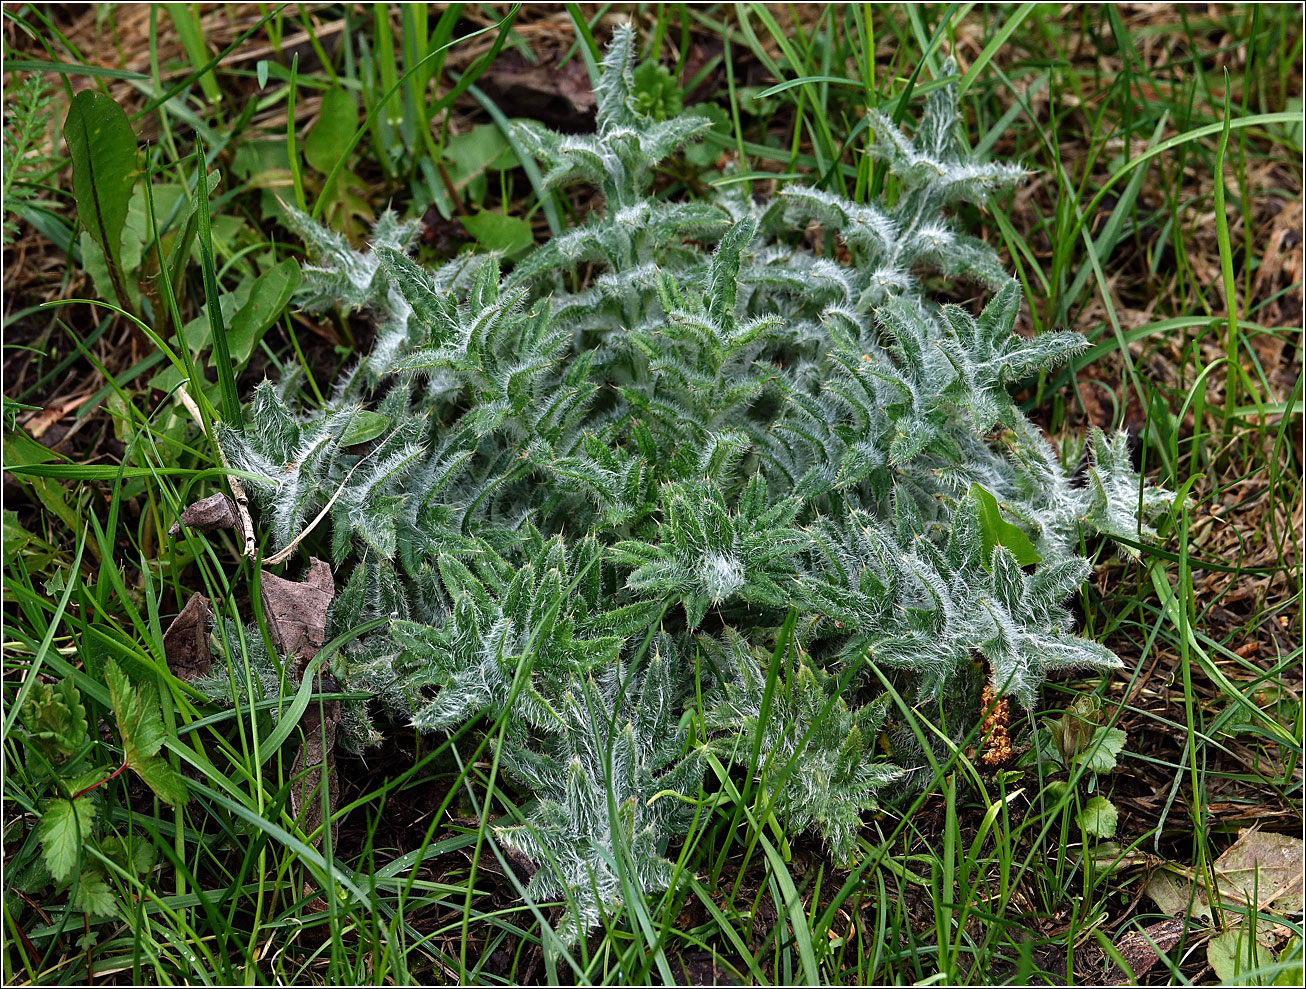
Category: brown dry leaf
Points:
column 186, row 642
column 1172, row 893
column 297, row 610
column 1098, row 411
column 1281, row 267
column 1141, row 949
column 570, row 82
column 217, row 511
column 314, row 763
column 38, row 422
column 1265, row 868
column 316, row 760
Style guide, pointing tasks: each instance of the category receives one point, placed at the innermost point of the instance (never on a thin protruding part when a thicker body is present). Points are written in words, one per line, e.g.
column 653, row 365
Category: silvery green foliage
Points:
column 613, row 782
column 824, row 753
column 268, row 679
column 661, row 432
column 1111, row 502
column 337, row 275
column 499, row 629
column 950, row 601
column 710, row 554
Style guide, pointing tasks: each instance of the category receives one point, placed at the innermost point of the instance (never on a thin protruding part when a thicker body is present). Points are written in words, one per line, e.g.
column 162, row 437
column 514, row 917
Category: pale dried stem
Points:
column 237, row 489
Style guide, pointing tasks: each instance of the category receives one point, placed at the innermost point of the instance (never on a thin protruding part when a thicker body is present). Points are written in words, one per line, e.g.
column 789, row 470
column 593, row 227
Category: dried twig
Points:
column 290, row 547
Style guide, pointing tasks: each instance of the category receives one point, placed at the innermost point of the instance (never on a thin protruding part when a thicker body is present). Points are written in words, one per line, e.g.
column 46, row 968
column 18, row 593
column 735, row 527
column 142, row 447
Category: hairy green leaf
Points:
column 596, row 488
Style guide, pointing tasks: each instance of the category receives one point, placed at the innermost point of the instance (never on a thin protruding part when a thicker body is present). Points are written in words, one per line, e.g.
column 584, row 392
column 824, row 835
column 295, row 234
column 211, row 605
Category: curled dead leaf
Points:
column 1142, row 948
column 186, row 641
column 314, row 766
column 217, row 511
column 296, row 611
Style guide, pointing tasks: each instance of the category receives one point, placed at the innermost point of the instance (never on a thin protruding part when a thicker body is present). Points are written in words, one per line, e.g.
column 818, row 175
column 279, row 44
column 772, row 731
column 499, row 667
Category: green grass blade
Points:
column 793, row 907
column 71, row 69
column 30, row 678
column 1227, row 280
column 995, row 44
column 217, row 326
column 292, row 142
column 289, row 718
column 589, row 47
column 186, row 20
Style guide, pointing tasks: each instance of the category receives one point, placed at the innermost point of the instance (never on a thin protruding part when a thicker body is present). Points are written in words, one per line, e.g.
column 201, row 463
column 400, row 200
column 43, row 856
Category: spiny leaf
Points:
column 430, row 307
column 607, row 476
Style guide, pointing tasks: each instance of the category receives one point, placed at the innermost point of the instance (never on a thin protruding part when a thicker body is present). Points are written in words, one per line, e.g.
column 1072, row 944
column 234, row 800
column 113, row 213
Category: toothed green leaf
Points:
column 64, row 828
column 140, row 725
